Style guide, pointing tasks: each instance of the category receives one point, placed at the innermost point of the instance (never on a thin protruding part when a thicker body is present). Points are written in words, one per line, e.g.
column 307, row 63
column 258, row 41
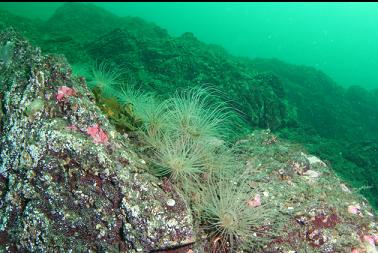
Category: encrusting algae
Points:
column 99, row 161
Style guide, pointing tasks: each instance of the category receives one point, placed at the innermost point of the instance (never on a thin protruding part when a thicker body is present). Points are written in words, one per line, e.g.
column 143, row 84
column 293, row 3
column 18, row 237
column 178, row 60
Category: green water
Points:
column 339, row 38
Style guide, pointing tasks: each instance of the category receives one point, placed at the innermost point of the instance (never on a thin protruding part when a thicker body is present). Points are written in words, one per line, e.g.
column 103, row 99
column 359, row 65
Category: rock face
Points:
column 68, row 180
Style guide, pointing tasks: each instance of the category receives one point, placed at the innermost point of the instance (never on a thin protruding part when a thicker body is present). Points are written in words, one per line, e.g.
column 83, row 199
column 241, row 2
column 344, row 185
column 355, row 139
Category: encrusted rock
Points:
column 68, row 180
column 312, row 174
column 171, row 202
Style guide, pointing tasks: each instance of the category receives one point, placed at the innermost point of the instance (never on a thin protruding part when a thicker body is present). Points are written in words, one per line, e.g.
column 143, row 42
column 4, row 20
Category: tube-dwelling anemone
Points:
column 228, row 217
column 196, row 113
column 106, row 78
column 180, row 158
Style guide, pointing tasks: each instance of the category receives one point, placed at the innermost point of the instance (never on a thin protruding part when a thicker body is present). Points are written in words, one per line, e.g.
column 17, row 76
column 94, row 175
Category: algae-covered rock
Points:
column 68, row 181
column 322, row 214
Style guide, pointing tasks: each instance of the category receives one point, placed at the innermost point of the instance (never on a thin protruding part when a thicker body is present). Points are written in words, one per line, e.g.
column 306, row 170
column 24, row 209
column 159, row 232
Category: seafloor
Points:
column 117, row 137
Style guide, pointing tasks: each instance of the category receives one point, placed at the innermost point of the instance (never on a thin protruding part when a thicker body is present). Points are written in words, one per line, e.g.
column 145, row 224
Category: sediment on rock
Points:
column 68, row 180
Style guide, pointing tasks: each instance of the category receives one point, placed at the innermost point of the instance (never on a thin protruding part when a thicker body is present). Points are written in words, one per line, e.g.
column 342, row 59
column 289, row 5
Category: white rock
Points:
column 370, row 214
column 172, row 223
column 171, row 202
column 313, row 160
column 312, row 173
column 344, row 188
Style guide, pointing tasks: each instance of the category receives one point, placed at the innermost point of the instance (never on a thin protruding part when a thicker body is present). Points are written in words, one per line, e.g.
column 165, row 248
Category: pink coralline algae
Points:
column 64, row 92
column 353, row 209
column 255, row 202
column 97, row 134
column 369, row 239
column 369, row 247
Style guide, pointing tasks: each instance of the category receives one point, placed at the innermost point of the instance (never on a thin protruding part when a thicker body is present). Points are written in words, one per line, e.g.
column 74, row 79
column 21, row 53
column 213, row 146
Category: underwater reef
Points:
column 68, row 179
column 117, row 137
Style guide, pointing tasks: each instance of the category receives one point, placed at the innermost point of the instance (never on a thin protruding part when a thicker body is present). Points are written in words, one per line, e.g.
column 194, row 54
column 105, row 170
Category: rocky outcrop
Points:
column 68, row 180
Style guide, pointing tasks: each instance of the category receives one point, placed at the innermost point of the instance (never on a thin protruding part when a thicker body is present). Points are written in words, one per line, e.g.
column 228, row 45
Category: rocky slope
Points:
column 68, row 178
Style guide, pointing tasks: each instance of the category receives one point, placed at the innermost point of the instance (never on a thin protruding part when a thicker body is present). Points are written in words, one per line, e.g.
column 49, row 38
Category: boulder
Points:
column 68, row 180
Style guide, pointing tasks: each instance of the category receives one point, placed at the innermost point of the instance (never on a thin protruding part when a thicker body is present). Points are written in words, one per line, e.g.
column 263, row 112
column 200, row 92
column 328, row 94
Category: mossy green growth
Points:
column 121, row 116
column 35, row 106
column 6, row 53
column 126, row 107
